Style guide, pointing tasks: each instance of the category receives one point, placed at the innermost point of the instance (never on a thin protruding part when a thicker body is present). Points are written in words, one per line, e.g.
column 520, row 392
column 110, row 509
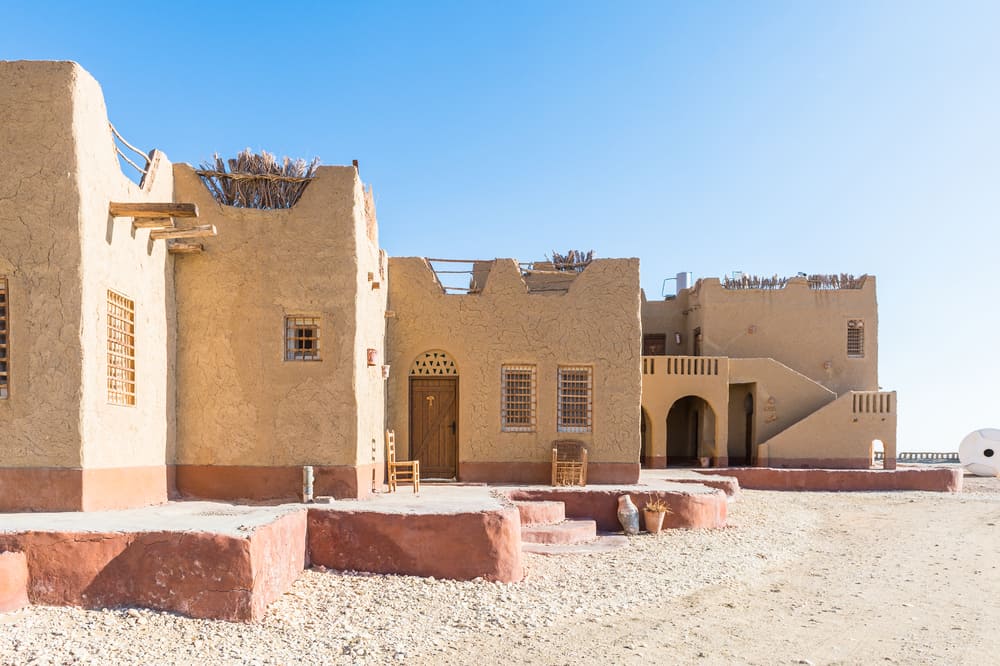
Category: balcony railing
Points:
column 681, row 365
column 872, row 402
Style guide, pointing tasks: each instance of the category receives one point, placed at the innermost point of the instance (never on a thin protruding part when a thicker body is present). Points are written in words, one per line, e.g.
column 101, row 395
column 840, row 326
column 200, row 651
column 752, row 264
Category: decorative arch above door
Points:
column 434, row 363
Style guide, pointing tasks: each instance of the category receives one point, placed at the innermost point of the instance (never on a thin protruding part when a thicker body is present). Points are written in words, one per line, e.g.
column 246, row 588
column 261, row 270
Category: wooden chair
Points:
column 407, row 471
column 569, row 463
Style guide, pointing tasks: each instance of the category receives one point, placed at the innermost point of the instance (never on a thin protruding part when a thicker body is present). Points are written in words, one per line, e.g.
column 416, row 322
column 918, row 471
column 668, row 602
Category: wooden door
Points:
column 434, row 426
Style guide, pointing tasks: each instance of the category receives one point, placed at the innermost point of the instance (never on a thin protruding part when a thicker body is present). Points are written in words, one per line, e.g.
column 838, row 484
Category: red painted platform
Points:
column 936, row 479
column 460, row 546
column 693, row 507
column 225, row 561
column 199, row 574
column 13, row 581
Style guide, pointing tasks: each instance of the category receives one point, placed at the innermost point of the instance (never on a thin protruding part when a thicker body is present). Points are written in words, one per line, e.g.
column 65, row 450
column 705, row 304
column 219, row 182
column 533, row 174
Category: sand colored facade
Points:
column 61, row 254
column 291, row 340
column 535, row 324
column 276, row 413
column 783, row 376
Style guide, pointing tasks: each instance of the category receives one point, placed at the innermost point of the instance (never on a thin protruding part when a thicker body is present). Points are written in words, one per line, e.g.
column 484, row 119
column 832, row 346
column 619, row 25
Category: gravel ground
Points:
column 354, row 618
column 794, row 566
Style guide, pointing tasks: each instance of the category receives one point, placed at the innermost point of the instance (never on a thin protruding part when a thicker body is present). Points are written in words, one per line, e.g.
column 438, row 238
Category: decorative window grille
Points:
column 856, row 338
column 121, row 350
column 576, row 399
column 4, row 340
column 302, row 338
column 517, row 398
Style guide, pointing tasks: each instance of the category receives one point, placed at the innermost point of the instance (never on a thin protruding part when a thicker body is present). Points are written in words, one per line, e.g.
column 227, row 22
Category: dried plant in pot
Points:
column 653, row 513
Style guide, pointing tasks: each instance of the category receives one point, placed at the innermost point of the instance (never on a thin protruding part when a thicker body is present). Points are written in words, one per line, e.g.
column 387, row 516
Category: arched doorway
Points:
column 690, row 432
column 434, row 414
column 748, row 427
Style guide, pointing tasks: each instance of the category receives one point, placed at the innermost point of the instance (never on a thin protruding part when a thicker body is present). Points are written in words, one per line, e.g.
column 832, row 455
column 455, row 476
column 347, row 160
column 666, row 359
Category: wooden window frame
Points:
column 518, row 398
column 4, row 339
column 301, row 346
column 575, row 398
column 121, row 350
column 654, row 344
column 856, row 338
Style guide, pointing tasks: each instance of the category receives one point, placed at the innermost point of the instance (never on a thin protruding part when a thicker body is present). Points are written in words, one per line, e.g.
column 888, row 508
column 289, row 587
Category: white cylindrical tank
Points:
column 979, row 452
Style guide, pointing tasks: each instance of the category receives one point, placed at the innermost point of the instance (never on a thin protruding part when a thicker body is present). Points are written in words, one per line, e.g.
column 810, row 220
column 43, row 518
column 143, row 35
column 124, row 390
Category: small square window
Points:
column 121, row 350
column 517, row 398
column 4, row 340
column 576, row 399
column 302, row 338
column 856, row 338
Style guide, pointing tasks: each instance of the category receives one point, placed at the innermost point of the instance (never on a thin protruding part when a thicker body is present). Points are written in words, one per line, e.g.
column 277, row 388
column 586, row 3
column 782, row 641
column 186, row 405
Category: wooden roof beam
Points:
column 153, row 210
column 190, row 232
column 153, row 223
column 177, row 247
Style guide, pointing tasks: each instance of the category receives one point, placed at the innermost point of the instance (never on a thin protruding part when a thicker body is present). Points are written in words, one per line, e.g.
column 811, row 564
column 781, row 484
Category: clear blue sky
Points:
column 768, row 137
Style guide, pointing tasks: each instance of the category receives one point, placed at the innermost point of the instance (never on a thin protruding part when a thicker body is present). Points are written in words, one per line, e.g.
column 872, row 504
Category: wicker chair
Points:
column 569, row 463
column 407, row 471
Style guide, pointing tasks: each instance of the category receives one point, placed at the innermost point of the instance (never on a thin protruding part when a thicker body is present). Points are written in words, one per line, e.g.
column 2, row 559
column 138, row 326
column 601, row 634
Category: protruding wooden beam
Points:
column 190, row 232
column 153, row 210
column 153, row 223
column 185, row 248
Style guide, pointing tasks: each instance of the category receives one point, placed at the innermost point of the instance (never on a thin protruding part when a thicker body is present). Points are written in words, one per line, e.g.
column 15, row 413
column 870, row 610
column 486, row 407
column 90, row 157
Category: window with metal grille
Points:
column 576, row 399
column 517, row 398
column 301, row 338
column 121, row 350
column 856, row 338
column 4, row 340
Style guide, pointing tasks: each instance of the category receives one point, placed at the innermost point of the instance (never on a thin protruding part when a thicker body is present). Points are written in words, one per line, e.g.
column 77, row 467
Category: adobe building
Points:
column 485, row 380
column 155, row 342
column 773, row 373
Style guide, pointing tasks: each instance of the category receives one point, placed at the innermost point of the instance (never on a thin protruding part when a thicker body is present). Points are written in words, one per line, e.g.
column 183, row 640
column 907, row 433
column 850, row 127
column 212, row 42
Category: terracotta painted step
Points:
column 13, row 581
column 602, row 544
column 569, row 531
column 541, row 512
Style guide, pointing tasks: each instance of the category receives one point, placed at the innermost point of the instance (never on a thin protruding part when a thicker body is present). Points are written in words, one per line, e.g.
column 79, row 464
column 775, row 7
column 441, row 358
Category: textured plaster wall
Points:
column 370, row 334
column 782, row 396
column 798, row 326
column 40, row 256
column 239, row 402
column 660, row 391
column 834, row 432
column 666, row 317
column 113, row 257
column 596, row 322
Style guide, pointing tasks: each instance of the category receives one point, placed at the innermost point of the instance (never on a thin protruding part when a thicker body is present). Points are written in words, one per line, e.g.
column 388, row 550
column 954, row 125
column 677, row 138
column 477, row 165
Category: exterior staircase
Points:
column 545, row 530
column 843, row 430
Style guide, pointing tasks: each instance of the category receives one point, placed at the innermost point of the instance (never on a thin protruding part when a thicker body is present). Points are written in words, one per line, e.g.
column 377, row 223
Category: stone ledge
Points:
column 459, row 546
column 706, row 508
column 199, row 574
column 935, row 479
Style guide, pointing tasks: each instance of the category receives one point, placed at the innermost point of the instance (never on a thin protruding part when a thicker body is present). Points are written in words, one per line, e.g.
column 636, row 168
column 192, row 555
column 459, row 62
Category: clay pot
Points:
column 653, row 520
column 628, row 515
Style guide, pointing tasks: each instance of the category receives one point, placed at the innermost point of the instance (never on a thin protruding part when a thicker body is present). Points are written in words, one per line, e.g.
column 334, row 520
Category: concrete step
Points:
column 566, row 532
column 541, row 512
column 602, row 544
